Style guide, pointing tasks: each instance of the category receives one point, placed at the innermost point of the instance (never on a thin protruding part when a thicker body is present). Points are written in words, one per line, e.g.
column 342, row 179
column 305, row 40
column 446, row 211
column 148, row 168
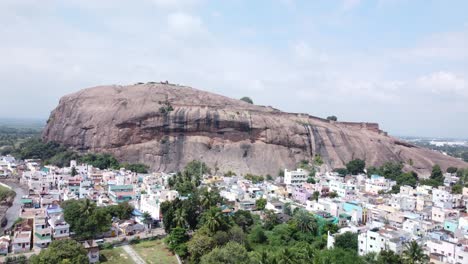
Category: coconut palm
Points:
column 214, row 219
column 414, row 254
column 305, row 221
column 180, row 218
column 87, row 207
column 286, row 257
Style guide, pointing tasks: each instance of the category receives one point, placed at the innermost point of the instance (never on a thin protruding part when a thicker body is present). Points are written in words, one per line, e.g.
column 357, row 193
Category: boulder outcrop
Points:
column 166, row 126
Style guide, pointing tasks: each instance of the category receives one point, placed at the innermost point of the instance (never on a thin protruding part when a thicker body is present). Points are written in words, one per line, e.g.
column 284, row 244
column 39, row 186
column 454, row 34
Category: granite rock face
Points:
column 166, row 126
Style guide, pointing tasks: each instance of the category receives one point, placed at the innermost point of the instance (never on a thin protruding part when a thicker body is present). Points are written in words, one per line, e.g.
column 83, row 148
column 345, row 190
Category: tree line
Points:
column 53, row 153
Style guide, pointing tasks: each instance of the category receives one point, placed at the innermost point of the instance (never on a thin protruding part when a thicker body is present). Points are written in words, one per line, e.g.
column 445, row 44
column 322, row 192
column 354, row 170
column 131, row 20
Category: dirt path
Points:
column 133, row 254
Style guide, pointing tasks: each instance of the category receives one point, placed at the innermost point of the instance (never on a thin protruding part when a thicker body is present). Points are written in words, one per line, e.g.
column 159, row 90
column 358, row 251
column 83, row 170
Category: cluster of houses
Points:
column 434, row 217
column 41, row 218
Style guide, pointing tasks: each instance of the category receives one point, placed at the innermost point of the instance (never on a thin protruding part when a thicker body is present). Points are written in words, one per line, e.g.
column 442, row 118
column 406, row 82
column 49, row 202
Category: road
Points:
column 13, row 212
column 133, row 254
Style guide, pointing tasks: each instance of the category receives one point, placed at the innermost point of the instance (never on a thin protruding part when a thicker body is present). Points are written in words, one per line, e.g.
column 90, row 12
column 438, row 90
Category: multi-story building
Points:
column 60, row 228
column 297, row 177
column 121, row 193
column 378, row 239
column 377, row 184
column 42, row 232
column 21, row 242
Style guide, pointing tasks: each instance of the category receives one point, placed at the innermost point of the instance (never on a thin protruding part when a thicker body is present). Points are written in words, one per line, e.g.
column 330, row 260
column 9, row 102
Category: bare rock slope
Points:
column 228, row 134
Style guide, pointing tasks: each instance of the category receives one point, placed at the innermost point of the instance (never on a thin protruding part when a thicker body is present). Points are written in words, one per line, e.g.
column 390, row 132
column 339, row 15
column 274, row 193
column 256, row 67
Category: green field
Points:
column 115, row 256
column 155, row 252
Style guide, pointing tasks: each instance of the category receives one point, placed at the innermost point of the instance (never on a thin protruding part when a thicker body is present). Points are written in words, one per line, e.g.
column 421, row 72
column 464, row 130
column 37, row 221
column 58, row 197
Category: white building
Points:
column 151, row 201
column 447, row 251
column 296, row 178
column 378, row 239
column 377, row 183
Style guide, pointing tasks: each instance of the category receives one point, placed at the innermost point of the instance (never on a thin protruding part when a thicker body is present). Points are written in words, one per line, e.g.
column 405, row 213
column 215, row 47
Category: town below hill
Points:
column 107, row 210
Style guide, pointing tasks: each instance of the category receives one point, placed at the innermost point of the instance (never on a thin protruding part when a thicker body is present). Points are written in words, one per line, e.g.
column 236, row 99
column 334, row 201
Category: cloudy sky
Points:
column 401, row 63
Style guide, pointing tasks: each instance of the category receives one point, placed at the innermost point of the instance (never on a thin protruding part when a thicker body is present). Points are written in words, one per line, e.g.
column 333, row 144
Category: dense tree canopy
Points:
column 87, row 220
column 61, row 252
column 348, row 241
column 356, row 166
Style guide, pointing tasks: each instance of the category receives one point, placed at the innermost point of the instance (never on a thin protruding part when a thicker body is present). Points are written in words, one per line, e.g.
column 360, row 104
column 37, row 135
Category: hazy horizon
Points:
column 369, row 61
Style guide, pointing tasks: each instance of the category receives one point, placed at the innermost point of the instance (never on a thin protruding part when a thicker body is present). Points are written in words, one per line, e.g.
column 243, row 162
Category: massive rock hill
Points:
column 132, row 123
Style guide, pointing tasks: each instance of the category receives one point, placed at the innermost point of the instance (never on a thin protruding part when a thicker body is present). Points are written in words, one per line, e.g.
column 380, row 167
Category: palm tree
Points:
column 305, row 221
column 265, row 258
column 180, row 218
column 87, row 207
column 206, row 199
column 414, row 254
column 147, row 219
column 286, row 257
column 213, row 219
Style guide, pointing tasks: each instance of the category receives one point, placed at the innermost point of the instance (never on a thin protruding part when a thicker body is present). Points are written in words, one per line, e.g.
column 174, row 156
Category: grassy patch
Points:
column 115, row 256
column 155, row 252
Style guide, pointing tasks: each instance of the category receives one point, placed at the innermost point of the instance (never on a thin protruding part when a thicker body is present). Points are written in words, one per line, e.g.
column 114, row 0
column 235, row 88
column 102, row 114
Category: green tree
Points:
column 215, row 220
column 101, row 161
column 236, row 234
column 452, row 170
column 311, row 180
column 257, row 235
column 73, row 171
column 388, row 257
column 231, row 253
column 355, row 166
column 287, row 209
column 243, row 219
column 247, row 100
column 436, row 173
column 316, row 195
column 305, row 222
column 85, row 219
column 341, row 171
column 136, row 167
column 61, row 252
column 333, row 195
column 391, row 170
column 347, row 241
column 260, row 204
column 414, row 254
column 180, row 218
column 270, row 219
column 337, row 256
column 332, row 118
column 177, row 239
column 457, row 189
column 318, row 160
column 200, row 244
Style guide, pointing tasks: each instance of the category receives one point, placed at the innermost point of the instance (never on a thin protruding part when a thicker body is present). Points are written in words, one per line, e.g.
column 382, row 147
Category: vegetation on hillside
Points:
column 55, row 154
column 247, row 99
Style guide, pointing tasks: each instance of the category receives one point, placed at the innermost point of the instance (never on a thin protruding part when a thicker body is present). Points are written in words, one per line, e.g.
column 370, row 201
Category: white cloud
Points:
column 175, row 4
column 184, row 23
column 443, row 82
column 350, row 4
